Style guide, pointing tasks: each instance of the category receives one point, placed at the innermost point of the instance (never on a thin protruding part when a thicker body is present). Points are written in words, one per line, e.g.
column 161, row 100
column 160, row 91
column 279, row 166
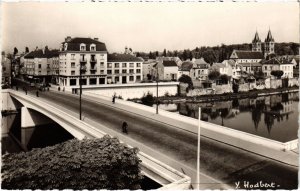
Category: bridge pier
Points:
column 29, row 120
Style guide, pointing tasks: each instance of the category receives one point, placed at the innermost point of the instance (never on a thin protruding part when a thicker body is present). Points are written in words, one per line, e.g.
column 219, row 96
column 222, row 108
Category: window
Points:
column 138, row 71
column 93, row 71
column 117, row 65
column 83, row 81
column 93, row 47
column 131, row 71
column 266, row 67
column 72, row 82
column 101, row 64
column 117, row 79
column 48, row 66
column 72, row 56
column 108, row 71
column 124, row 71
column 138, row 78
column 72, row 64
column 109, row 65
column 138, row 64
column 93, row 81
column 117, row 71
column 82, row 47
column 131, row 78
column 4, row 69
column 124, row 65
column 40, row 66
column 72, row 72
column 131, row 65
column 101, row 71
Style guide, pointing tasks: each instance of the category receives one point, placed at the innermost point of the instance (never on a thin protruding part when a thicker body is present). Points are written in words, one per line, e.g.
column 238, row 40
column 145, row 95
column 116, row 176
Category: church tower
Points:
column 269, row 44
column 256, row 43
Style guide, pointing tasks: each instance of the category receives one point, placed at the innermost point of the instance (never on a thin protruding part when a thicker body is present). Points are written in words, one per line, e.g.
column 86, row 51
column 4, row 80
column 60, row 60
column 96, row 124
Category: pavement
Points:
column 222, row 166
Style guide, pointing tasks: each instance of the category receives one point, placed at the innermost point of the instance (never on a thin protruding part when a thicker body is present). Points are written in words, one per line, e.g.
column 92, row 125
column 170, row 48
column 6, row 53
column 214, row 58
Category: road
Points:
column 222, row 162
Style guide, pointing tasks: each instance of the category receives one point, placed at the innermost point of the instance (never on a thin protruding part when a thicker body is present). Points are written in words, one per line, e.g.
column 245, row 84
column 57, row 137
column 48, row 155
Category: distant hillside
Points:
column 220, row 53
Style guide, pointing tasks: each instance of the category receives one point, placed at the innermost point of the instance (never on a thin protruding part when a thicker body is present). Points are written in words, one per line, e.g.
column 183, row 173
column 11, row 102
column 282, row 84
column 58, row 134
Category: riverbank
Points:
column 223, row 97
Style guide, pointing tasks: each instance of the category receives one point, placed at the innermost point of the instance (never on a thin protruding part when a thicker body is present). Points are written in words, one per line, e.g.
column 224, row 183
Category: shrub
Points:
column 87, row 164
column 235, row 87
column 147, row 99
column 277, row 73
column 186, row 79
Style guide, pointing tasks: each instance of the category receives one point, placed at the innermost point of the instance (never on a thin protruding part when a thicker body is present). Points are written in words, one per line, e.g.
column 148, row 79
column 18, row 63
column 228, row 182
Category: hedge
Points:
column 102, row 163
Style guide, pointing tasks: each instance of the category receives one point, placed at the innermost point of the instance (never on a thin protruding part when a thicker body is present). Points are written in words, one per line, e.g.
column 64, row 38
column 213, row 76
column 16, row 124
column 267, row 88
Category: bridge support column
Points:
column 30, row 119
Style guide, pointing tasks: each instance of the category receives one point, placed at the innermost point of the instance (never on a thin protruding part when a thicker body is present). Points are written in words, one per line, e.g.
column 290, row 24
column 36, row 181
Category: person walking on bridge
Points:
column 124, row 127
column 37, row 93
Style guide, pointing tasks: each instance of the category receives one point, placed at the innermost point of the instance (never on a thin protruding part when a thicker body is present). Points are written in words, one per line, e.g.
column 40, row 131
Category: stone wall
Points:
column 183, row 88
column 293, row 82
column 220, row 89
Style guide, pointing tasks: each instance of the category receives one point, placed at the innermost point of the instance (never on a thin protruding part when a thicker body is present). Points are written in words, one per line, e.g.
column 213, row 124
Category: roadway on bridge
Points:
column 224, row 163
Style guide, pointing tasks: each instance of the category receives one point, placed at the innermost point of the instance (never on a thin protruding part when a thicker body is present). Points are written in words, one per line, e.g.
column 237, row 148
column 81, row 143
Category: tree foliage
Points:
column 277, row 73
column 15, row 51
column 186, row 79
column 213, row 75
column 87, row 164
column 224, row 79
column 147, row 99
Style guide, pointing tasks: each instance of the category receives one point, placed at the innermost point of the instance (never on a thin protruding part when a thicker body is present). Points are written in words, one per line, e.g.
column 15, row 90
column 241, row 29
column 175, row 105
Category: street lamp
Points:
column 82, row 68
column 157, row 88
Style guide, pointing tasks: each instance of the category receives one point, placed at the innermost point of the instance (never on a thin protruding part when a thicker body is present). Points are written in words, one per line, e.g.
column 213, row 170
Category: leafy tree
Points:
column 186, row 79
column 235, row 88
column 26, row 49
column 224, row 79
column 213, row 75
column 277, row 73
column 138, row 54
column 165, row 53
column 156, row 54
column 149, row 76
column 102, row 163
column 148, row 99
column 259, row 75
column 15, row 51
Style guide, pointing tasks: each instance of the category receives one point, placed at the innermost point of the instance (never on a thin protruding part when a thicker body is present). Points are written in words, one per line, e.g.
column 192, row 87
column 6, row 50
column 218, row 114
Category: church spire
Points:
column 256, row 38
column 269, row 37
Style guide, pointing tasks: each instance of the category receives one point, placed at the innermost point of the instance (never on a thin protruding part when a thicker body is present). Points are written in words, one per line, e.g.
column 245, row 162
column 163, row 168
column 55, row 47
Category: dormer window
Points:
column 66, row 46
column 82, row 47
column 93, row 47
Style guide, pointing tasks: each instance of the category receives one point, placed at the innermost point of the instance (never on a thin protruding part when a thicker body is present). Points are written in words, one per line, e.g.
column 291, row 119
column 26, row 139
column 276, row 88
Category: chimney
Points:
column 43, row 50
column 68, row 38
column 97, row 39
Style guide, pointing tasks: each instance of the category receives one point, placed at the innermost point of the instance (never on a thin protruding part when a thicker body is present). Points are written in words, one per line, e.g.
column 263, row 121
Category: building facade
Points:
column 269, row 44
column 274, row 64
column 200, row 69
column 256, row 43
column 6, row 69
column 167, row 70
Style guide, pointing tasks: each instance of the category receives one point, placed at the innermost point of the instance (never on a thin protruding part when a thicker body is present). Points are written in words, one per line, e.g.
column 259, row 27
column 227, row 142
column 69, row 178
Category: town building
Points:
column 248, row 60
column 234, row 69
column 6, row 69
column 221, row 68
column 148, row 69
column 167, row 70
column 274, row 64
column 200, row 69
column 269, row 44
column 89, row 59
column 170, row 58
column 256, row 43
column 38, row 64
column 185, row 69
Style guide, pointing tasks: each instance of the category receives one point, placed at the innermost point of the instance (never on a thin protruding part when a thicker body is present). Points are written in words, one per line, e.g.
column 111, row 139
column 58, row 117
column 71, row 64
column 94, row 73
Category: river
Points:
column 274, row 116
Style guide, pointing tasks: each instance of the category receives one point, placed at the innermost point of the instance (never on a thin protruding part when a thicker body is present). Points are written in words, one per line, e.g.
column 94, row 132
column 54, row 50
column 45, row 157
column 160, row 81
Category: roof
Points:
column 269, row 37
column 74, row 44
column 256, row 38
column 186, row 66
column 275, row 61
column 122, row 58
column 251, row 64
column 230, row 62
column 242, row 54
column 218, row 65
column 40, row 54
column 169, row 63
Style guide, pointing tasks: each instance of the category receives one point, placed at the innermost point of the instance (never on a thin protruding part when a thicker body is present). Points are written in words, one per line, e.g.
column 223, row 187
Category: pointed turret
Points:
column 269, row 37
column 256, row 38
column 256, row 43
column 269, row 44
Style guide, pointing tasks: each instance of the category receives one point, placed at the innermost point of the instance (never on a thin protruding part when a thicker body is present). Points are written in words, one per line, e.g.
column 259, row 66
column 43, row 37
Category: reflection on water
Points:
column 274, row 116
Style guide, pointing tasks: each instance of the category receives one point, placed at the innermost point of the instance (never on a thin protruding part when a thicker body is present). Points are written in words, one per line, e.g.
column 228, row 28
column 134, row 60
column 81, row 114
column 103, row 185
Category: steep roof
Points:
column 42, row 54
column 186, row 66
column 275, row 61
column 230, row 62
column 122, row 58
column 74, row 44
column 256, row 38
column 218, row 65
column 251, row 64
column 169, row 63
column 242, row 54
column 269, row 37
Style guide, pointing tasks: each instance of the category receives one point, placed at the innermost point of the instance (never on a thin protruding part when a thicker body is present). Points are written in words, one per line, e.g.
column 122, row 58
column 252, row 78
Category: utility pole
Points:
column 157, row 88
column 80, row 89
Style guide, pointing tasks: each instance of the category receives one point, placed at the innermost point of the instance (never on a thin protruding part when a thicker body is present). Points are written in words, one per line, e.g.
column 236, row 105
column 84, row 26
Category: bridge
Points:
column 169, row 138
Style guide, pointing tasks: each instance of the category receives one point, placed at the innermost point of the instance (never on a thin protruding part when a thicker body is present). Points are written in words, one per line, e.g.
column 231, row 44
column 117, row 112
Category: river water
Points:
column 274, row 117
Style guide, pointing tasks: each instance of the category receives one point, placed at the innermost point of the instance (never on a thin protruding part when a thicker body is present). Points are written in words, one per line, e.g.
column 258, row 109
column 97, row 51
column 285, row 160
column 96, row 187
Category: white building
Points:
column 274, row 64
column 185, row 69
column 200, row 69
column 167, row 70
column 249, row 60
column 148, row 69
column 234, row 69
column 97, row 66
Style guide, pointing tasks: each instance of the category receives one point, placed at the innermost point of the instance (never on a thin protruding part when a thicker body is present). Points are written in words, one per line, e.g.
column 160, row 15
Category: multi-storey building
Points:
column 274, row 64
column 269, row 44
column 89, row 59
column 256, row 43
column 167, row 70
column 200, row 69
column 6, row 69
column 234, row 69
column 147, row 69
column 38, row 64
column 250, row 61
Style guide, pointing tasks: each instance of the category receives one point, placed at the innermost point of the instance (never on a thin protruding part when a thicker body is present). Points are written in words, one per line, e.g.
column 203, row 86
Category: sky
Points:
column 146, row 26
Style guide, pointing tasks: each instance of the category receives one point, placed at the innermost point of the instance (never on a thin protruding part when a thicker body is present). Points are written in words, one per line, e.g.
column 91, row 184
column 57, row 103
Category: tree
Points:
column 26, row 49
column 102, row 163
column 224, row 79
column 235, row 89
column 138, row 54
column 213, row 75
column 149, row 76
column 259, row 75
column 277, row 73
column 186, row 79
column 15, row 51
column 147, row 99
column 165, row 53
column 156, row 54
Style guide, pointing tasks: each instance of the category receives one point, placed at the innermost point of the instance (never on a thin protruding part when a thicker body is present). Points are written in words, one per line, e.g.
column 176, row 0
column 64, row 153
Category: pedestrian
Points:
column 37, row 93
column 113, row 99
column 25, row 90
column 124, row 127
column 58, row 88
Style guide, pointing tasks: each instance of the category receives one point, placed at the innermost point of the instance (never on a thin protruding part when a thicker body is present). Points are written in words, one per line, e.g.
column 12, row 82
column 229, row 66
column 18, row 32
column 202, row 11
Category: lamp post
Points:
column 80, row 90
column 156, row 88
